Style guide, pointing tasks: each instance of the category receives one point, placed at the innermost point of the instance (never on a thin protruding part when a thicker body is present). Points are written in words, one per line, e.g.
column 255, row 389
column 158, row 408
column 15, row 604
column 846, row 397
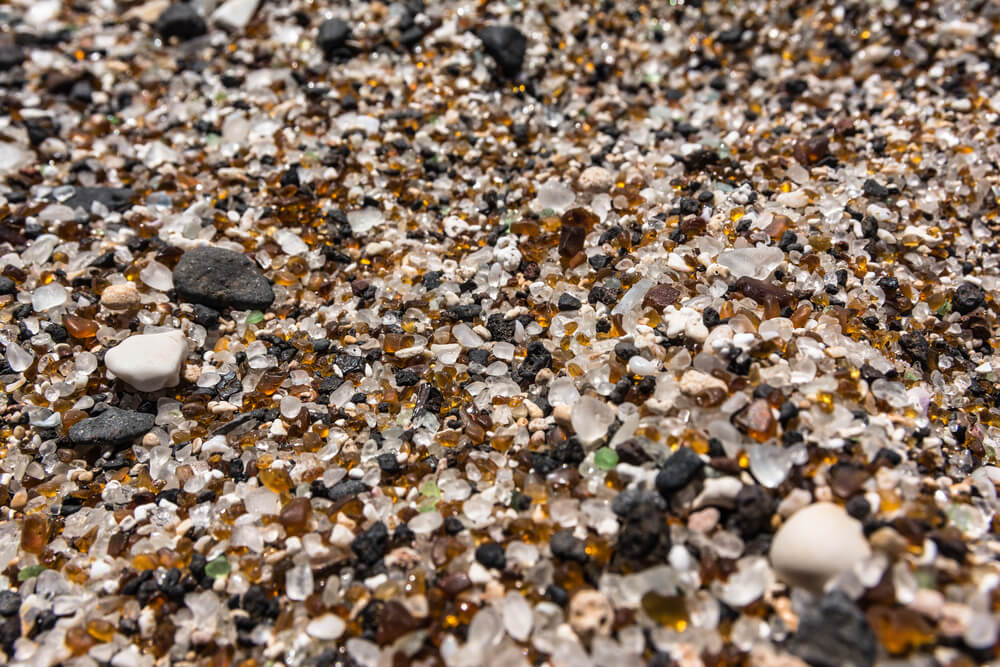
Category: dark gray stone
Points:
column 834, row 633
column 11, row 56
column 10, row 603
column 507, row 45
column 567, row 547
column 221, row 278
column 115, row 199
column 114, row 426
column 7, row 286
column 345, row 489
column 182, row 21
column 332, row 36
column 678, row 470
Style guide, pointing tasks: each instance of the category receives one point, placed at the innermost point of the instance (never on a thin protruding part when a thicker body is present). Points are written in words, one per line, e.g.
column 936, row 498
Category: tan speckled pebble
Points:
column 120, row 298
column 19, row 500
column 595, row 179
column 562, row 414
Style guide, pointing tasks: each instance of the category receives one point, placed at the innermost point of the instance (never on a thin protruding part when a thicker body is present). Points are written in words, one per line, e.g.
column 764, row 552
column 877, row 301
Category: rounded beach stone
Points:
column 121, row 297
column 149, row 362
column 221, row 278
column 595, row 179
column 816, row 544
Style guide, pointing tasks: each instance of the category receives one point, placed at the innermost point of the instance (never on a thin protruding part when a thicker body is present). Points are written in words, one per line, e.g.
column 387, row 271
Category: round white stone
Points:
column 816, row 544
column 327, row 626
column 149, row 362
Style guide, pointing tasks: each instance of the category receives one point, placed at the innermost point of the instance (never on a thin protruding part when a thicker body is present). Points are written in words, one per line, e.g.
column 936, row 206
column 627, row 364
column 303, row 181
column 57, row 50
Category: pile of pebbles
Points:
column 499, row 333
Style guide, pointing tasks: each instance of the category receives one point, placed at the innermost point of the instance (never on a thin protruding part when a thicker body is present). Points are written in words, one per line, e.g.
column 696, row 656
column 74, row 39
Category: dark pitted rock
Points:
column 916, row 347
column 753, row 512
column 370, row 546
column 679, row 469
column 115, row 199
column 535, row 359
column 834, row 633
column 7, row 286
column 507, row 45
column 644, row 537
column 349, row 363
column 332, row 36
column 406, row 377
column 114, row 426
column 259, row 604
column 221, row 278
column 968, row 297
column 466, row 312
column 182, row 21
column 875, row 190
column 500, row 328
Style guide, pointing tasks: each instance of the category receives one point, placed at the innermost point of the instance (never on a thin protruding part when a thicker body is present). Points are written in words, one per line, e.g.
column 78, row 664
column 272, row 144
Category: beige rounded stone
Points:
column 120, row 298
column 816, row 544
column 595, row 179
column 563, row 414
column 590, row 611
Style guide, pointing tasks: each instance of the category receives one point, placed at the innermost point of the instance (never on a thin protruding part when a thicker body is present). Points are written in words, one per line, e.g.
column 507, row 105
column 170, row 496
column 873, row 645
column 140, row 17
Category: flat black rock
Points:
column 182, row 21
column 507, row 45
column 7, row 286
column 221, row 278
column 115, row 199
column 345, row 489
column 834, row 633
column 333, row 35
column 114, row 427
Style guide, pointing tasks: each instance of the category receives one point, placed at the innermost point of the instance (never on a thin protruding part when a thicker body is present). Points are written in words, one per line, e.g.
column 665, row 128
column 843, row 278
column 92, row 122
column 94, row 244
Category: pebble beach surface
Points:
column 495, row 334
